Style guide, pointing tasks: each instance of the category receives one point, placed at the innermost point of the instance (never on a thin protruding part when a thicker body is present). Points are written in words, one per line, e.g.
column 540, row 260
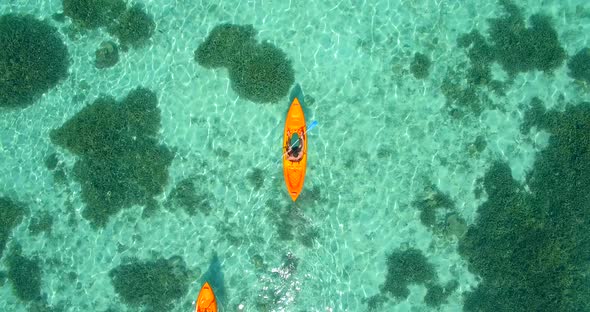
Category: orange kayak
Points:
column 206, row 301
column 294, row 171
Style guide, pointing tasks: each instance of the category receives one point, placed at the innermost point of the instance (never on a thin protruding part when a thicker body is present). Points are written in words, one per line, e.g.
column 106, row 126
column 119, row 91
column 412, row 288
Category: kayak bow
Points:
column 206, row 301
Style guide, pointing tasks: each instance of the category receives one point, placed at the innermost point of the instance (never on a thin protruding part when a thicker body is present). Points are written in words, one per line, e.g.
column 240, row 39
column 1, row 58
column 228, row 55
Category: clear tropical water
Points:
column 386, row 141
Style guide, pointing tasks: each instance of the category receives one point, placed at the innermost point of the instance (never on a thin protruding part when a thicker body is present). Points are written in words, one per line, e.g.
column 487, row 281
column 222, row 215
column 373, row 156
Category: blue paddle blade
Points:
column 313, row 124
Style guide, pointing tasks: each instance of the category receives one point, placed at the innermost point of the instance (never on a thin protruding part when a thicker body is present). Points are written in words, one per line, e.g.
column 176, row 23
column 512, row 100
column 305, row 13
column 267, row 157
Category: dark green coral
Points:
column 154, row 285
column 121, row 163
column 134, row 27
column 107, row 55
column 406, row 267
column 191, row 194
column 579, row 66
column 24, row 275
column 141, row 112
column 259, row 72
column 437, row 294
column 11, row 214
column 512, row 44
column 479, row 51
column 432, row 200
column 516, row 47
column 33, row 59
column 41, row 223
column 420, row 66
column 519, row 48
column 256, row 178
column 94, row 131
column 52, row 161
column 263, row 75
column 530, row 244
column 291, row 223
column 224, row 45
column 93, row 13
column 462, row 99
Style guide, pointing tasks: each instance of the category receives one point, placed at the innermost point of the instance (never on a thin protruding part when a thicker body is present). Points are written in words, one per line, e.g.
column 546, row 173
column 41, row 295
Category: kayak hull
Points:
column 206, row 301
column 294, row 172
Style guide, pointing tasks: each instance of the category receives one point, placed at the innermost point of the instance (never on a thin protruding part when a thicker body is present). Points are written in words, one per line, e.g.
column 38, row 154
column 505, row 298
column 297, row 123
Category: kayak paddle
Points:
column 311, row 126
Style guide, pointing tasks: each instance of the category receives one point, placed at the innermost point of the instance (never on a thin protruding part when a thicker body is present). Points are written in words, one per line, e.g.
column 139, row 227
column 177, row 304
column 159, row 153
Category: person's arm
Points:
column 302, row 138
column 288, row 142
column 301, row 149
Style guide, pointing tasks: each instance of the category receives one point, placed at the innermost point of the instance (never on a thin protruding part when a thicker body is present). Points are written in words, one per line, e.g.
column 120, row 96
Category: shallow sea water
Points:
column 383, row 137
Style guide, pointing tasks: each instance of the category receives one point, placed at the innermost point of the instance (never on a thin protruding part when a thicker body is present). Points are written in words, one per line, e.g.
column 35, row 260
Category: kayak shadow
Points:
column 297, row 92
column 214, row 276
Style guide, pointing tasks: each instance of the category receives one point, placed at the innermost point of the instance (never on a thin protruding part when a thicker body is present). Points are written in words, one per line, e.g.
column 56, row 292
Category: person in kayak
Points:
column 295, row 146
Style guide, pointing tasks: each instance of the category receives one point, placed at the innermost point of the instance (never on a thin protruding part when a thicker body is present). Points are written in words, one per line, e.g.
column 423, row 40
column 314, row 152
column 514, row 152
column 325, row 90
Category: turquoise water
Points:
column 384, row 138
